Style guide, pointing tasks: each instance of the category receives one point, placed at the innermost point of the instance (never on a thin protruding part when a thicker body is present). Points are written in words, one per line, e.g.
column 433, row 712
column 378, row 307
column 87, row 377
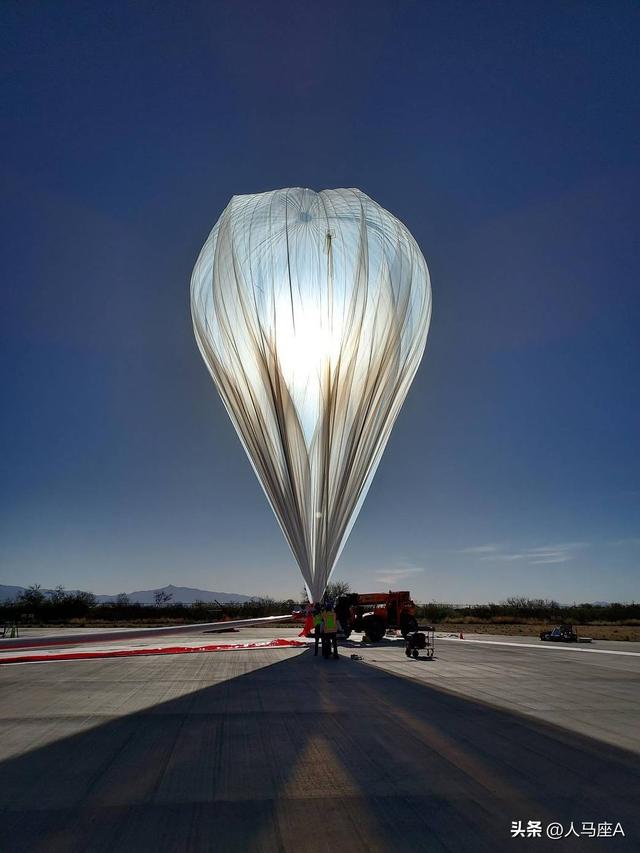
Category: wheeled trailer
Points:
column 420, row 641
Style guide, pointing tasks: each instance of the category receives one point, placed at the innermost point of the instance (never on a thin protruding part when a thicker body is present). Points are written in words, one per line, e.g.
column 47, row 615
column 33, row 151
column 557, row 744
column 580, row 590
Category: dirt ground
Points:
column 597, row 632
column 612, row 631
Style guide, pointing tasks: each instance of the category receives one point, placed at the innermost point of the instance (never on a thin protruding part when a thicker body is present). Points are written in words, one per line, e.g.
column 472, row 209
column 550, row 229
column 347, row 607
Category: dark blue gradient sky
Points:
column 505, row 135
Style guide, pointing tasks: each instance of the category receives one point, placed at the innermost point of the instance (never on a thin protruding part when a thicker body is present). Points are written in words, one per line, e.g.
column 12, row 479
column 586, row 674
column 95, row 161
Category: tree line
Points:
column 60, row 606
column 518, row 609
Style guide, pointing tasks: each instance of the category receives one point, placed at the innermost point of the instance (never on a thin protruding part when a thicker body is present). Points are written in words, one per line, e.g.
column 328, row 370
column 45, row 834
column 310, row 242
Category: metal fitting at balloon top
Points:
column 311, row 311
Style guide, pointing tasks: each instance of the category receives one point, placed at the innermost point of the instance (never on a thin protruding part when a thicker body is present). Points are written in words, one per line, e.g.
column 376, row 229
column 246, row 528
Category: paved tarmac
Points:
column 275, row 750
column 579, row 688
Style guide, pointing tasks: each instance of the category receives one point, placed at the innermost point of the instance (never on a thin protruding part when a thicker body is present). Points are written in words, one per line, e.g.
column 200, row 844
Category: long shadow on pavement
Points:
column 310, row 755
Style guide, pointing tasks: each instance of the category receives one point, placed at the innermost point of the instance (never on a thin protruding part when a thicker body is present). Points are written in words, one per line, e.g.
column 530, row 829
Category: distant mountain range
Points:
column 179, row 595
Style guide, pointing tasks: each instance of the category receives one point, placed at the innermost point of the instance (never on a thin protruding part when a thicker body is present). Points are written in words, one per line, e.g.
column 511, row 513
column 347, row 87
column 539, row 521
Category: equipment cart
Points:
column 420, row 641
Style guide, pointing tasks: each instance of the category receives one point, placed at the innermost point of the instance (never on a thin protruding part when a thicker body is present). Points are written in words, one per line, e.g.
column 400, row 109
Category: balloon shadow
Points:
column 299, row 754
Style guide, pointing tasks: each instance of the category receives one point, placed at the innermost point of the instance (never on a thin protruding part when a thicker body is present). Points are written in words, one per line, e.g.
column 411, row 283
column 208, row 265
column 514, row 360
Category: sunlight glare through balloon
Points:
column 311, row 311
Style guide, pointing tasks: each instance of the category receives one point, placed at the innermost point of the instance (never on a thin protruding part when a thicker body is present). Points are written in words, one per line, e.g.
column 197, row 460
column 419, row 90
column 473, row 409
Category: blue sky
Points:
column 505, row 135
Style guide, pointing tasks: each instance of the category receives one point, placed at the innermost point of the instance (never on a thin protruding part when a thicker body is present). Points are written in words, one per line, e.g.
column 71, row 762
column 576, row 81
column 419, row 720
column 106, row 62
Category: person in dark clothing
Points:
column 329, row 632
column 317, row 627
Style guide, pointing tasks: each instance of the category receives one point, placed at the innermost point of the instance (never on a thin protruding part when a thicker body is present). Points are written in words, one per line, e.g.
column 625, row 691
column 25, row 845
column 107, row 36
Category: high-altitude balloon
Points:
column 311, row 311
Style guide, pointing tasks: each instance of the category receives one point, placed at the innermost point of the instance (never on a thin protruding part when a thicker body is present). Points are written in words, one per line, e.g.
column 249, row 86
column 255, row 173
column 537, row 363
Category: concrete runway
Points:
column 275, row 750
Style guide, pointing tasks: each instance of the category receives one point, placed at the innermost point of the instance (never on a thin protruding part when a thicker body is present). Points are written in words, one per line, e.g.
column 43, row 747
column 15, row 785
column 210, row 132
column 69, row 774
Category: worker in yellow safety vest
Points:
column 317, row 626
column 329, row 631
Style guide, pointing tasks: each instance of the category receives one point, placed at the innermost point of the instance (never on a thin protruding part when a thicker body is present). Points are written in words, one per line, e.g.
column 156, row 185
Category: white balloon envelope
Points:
column 311, row 311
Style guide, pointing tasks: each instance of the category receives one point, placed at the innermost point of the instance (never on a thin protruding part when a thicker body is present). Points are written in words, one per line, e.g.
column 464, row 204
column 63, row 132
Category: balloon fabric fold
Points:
column 311, row 311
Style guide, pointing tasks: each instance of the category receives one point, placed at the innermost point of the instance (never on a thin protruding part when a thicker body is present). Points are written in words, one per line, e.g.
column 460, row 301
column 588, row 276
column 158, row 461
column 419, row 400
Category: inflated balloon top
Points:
column 311, row 311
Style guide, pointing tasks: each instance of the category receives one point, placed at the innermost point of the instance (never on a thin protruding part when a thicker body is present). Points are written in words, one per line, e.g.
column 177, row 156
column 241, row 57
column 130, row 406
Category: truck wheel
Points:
column 373, row 627
column 408, row 624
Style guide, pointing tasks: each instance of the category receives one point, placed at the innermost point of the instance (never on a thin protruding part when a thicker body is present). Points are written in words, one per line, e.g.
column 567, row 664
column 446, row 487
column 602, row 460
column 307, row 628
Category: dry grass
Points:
column 598, row 631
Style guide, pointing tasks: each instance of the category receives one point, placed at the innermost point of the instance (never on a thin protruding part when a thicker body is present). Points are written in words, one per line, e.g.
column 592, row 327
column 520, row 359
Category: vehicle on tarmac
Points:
column 560, row 634
column 374, row 613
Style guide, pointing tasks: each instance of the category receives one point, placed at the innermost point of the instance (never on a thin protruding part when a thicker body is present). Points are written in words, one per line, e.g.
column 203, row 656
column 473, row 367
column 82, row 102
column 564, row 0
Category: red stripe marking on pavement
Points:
column 167, row 650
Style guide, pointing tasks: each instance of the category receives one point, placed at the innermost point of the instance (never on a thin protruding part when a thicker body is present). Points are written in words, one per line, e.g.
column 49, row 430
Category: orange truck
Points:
column 375, row 612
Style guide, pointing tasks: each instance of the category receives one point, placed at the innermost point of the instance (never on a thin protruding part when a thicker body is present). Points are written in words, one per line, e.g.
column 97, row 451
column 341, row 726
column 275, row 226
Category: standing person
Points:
column 330, row 631
column 317, row 626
